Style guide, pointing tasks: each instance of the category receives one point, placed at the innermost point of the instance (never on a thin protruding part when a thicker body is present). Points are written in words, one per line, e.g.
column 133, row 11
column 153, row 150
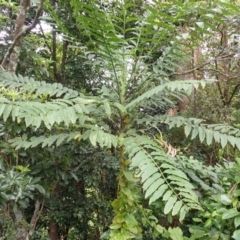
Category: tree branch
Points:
column 24, row 30
column 35, row 217
column 233, row 93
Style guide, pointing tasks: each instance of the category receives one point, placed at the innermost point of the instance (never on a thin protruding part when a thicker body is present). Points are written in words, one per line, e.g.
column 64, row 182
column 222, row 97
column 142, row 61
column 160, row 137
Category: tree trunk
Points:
column 22, row 226
column 19, row 24
column 35, row 217
column 53, row 231
column 11, row 58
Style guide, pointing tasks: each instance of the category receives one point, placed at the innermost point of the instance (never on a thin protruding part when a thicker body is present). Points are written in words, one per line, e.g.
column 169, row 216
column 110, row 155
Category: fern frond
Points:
column 160, row 177
column 30, row 86
column 221, row 133
column 94, row 134
column 97, row 136
column 55, row 139
column 34, row 113
column 185, row 86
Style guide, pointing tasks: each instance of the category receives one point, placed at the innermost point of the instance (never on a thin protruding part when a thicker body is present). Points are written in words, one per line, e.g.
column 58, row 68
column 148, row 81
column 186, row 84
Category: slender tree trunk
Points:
column 56, row 74
column 21, row 231
column 53, row 231
column 19, row 24
column 11, row 58
column 22, row 228
column 35, row 217
column 64, row 58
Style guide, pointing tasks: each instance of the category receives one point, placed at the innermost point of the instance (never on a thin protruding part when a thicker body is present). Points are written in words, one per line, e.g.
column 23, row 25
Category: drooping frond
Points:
column 30, row 86
column 185, row 86
column 34, row 113
column 221, row 133
column 160, row 177
column 95, row 135
column 56, row 139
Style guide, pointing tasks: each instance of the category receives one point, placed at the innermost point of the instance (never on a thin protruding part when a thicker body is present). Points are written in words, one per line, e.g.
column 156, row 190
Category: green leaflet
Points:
column 237, row 221
column 236, row 234
column 177, row 207
column 155, row 187
column 167, row 195
column 150, row 181
column 158, row 194
column 175, row 233
column 107, row 109
column 6, row 112
column 169, row 205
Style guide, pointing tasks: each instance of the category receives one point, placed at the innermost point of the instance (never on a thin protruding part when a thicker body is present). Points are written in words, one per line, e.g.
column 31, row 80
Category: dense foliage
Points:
column 121, row 121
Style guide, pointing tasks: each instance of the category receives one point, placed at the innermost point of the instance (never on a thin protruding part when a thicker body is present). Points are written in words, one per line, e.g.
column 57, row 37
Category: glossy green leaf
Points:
column 175, row 233
column 237, row 221
column 225, row 199
column 107, row 109
column 7, row 112
column 230, row 213
column 236, row 234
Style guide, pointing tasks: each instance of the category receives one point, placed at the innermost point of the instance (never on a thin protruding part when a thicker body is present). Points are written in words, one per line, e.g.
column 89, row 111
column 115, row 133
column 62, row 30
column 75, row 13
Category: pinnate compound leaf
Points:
column 160, row 176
